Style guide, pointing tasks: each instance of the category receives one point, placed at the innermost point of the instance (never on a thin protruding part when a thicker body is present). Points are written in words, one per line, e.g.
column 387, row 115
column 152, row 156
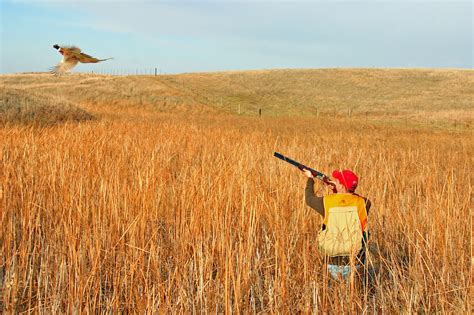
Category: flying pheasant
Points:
column 71, row 56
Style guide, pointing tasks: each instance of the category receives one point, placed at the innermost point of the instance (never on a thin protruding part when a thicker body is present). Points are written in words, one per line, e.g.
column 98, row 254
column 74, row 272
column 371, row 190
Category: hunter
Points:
column 344, row 231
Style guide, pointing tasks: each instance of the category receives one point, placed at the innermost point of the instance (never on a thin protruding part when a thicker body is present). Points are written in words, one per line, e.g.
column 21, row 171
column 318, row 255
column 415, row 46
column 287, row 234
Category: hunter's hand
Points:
column 330, row 183
column 331, row 186
column 308, row 174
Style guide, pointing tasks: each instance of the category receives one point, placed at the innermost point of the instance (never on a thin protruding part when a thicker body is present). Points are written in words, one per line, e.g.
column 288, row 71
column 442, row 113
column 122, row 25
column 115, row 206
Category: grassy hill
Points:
column 392, row 94
column 19, row 106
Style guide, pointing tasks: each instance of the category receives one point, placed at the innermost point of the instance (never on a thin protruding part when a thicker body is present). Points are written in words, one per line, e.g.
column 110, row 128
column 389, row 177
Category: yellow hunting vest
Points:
column 345, row 221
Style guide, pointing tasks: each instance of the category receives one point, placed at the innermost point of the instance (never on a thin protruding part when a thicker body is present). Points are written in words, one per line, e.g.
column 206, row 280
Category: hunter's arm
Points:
column 311, row 200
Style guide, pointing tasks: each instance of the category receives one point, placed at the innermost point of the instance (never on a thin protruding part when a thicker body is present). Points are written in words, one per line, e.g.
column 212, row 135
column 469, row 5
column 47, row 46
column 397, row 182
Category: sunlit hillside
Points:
column 423, row 96
column 156, row 197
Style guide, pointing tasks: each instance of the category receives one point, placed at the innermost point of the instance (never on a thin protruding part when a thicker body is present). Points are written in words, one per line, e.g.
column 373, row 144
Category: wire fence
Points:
column 126, row 72
column 259, row 111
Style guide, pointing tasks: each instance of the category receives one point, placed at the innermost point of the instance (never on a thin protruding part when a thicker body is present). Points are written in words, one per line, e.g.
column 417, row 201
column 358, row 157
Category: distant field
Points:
column 437, row 97
column 168, row 202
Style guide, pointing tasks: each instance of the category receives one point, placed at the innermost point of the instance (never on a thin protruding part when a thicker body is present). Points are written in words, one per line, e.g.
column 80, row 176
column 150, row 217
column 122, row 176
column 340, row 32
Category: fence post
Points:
column 350, row 112
column 317, row 112
column 239, row 109
column 155, row 71
column 259, row 112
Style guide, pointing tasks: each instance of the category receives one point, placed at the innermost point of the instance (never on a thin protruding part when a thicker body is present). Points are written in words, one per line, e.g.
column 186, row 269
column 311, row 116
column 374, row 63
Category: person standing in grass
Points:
column 344, row 231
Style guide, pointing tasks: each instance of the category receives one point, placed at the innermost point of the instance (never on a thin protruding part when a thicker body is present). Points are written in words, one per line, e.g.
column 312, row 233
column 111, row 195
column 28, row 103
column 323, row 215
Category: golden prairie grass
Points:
column 191, row 213
column 20, row 106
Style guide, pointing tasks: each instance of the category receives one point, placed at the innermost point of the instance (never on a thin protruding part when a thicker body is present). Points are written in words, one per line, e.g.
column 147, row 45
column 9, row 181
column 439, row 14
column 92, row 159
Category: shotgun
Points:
column 324, row 178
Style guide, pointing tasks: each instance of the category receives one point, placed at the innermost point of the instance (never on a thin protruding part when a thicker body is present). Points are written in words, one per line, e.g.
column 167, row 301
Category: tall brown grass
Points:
column 186, row 213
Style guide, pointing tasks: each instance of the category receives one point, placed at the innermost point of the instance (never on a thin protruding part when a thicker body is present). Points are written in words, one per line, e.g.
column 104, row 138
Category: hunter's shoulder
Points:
column 366, row 200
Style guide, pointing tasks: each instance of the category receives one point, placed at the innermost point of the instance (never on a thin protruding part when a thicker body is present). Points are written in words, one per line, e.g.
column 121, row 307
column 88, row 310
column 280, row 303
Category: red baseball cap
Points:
column 347, row 178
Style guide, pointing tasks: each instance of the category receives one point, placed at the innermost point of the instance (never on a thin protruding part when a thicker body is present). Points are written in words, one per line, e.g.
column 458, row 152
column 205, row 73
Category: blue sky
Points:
column 195, row 36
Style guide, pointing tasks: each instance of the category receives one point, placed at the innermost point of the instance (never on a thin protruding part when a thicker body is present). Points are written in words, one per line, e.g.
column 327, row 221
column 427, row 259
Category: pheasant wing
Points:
column 72, row 49
column 64, row 66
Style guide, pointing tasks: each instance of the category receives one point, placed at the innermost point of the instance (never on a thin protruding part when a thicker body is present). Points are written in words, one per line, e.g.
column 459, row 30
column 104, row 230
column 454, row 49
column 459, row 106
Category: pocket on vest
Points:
column 342, row 236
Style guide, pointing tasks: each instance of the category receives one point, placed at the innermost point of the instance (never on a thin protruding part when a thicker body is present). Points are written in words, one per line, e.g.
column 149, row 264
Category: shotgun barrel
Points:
column 322, row 177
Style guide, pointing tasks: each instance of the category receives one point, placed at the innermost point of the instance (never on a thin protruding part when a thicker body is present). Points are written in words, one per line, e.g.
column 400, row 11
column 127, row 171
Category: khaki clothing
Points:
column 322, row 204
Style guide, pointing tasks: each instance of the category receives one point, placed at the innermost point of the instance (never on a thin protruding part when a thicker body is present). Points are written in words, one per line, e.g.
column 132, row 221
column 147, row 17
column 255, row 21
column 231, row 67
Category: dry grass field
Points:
column 437, row 97
column 184, row 209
